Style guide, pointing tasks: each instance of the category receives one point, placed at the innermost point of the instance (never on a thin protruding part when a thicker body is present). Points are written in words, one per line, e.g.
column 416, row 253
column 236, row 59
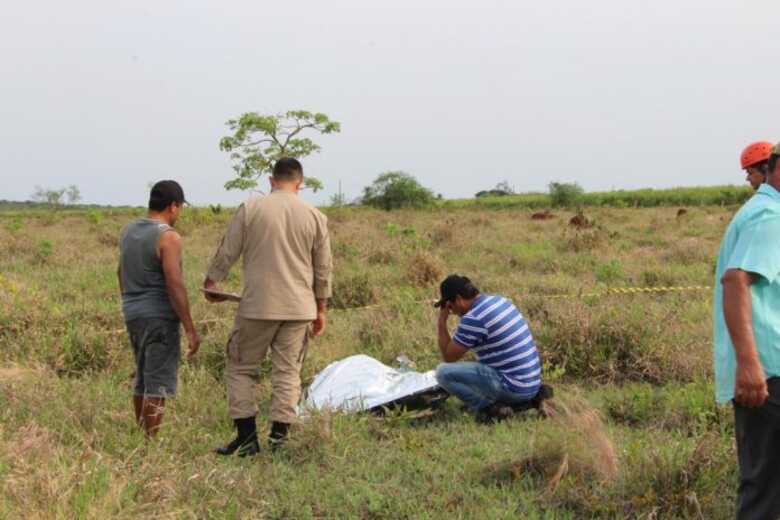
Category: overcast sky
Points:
column 110, row 95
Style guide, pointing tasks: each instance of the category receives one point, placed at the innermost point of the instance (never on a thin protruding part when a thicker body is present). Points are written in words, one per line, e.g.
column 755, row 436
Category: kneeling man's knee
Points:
column 443, row 372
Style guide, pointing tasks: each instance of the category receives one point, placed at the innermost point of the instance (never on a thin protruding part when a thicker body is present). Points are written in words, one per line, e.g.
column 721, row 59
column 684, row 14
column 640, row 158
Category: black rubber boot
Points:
column 278, row 435
column 494, row 413
column 545, row 392
column 245, row 444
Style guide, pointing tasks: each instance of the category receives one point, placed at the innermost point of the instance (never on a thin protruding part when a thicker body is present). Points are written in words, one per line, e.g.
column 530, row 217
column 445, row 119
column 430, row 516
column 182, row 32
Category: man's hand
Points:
column 318, row 325
column 444, row 312
column 211, row 285
column 750, row 389
column 194, row 343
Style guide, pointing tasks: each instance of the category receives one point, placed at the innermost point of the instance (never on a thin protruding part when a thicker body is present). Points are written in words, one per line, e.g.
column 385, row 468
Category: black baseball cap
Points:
column 165, row 193
column 452, row 286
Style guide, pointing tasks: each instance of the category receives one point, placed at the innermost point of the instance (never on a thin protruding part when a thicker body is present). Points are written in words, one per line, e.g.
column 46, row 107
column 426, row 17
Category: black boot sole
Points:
column 247, row 448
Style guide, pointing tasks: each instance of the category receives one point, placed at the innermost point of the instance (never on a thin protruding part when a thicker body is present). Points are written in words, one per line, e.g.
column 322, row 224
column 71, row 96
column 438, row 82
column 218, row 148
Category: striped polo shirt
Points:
column 498, row 334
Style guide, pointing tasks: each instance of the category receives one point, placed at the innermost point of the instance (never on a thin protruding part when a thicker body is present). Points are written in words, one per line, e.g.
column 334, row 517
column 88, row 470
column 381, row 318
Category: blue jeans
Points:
column 476, row 384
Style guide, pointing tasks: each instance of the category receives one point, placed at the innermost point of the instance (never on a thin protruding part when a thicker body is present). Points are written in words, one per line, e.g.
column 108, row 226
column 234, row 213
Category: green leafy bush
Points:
column 94, row 216
column 565, row 194
column 394, row 190
column 44, row 251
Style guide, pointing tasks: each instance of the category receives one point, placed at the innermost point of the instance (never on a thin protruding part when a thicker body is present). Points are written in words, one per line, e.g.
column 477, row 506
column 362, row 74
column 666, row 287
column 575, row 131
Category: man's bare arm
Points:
column 170, row 257
column 450, row 350
column 750, row 388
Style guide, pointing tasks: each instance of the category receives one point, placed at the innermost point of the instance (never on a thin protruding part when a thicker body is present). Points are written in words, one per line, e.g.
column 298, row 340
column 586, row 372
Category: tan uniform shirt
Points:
column 287, row 261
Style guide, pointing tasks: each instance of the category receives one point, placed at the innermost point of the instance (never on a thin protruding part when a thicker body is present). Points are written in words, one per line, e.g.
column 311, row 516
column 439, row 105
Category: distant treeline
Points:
column 29, row 204
column 644, row 198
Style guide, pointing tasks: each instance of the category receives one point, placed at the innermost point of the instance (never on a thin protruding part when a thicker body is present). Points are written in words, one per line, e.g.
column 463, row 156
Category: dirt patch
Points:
column 18, row 373
column 580, row 221
column 542, row 215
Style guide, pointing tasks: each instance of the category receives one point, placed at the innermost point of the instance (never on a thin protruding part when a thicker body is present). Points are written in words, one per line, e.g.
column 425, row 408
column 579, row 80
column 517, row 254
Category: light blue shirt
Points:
column 752, row 244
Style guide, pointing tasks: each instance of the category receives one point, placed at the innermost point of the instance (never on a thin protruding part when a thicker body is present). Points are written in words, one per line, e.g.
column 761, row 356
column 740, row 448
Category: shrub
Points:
column 394, row 190
column 565, row 194
column 424, row 270
column 94, row 216
column 14, row 226
column 355, row 291
column 44, row 251
column 609, row 272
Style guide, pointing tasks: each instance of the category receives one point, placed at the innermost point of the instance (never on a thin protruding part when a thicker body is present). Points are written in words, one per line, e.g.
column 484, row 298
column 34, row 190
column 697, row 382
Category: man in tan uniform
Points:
column 287, row 267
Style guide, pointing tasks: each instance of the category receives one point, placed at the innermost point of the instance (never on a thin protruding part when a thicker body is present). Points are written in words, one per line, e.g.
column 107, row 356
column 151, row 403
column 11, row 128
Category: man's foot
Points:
column 249, row 448
column 278, row 435
column 545, row 392
column 494, row 413
column 245, row 444
column 243, row 449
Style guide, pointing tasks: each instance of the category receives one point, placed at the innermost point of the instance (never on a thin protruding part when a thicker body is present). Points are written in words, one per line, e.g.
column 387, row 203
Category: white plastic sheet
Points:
column 361, row 382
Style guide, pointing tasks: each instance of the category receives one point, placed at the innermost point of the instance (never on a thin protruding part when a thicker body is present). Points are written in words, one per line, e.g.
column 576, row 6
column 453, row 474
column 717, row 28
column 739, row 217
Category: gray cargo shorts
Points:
column 157, row 349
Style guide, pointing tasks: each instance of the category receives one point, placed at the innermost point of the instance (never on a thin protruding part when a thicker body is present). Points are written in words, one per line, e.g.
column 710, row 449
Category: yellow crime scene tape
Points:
column 629, row 290
column 609, row 291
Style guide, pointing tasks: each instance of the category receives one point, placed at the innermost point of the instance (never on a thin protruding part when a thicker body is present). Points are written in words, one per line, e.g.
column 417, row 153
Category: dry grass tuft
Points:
column 354, row 291
column 309, row 439
column 442, row 234
column 424, row 270
column 381, row 257
column 572, row 443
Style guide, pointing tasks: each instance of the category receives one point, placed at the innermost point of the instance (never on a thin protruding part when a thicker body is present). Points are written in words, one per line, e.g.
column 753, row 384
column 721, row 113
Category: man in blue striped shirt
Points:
column 508, row 372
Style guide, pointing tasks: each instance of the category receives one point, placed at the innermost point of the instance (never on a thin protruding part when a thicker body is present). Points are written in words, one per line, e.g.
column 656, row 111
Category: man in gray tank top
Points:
column 154, row 302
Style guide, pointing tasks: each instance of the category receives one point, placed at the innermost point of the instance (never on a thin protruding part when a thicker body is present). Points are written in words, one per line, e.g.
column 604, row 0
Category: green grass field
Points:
column 638, row 435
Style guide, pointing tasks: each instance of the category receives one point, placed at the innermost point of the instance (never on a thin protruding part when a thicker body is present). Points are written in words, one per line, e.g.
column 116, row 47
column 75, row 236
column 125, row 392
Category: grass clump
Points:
column 424, row 270
column 353, row 291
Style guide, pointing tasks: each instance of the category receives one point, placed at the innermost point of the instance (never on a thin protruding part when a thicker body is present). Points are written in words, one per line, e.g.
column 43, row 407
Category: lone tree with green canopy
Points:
column 258, row 141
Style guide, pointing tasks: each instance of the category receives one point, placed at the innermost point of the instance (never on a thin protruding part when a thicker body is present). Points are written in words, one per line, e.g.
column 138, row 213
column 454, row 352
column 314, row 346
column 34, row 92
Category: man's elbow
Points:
column 450, row 357
column 174, row 286
column 735, row 278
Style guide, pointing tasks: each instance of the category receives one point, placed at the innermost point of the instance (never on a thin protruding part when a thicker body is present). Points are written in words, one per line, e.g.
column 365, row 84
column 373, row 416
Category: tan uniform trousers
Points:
column 247, row 347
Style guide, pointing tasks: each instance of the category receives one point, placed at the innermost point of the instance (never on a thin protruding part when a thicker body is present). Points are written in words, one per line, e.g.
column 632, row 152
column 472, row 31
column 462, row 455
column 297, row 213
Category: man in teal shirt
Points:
column 747, row 343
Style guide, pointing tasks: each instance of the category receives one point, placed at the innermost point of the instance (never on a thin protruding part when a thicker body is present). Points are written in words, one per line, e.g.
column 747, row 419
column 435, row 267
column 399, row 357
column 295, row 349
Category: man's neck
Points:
column 773, row 179
column 154, row 215
column 286, row 188
column 470, row 303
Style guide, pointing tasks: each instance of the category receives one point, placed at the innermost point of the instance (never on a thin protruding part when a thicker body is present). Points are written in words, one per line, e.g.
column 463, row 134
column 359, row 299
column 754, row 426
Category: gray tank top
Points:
column 144, row 294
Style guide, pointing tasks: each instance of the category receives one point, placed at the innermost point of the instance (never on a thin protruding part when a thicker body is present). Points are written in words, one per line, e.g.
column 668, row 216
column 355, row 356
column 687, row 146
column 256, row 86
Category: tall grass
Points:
column 643, row 438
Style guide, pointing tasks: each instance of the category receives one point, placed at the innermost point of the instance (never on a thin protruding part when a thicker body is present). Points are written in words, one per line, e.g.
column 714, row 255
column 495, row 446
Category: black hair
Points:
column 288, row 169
column 469, row 291
column 165, row 193
column 771, row 162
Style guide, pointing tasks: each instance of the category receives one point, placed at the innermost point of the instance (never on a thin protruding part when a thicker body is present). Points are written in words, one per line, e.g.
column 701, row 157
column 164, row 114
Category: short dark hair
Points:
column 165, row 193
column 288, row 169
column 771, row 162
column 456, row 285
